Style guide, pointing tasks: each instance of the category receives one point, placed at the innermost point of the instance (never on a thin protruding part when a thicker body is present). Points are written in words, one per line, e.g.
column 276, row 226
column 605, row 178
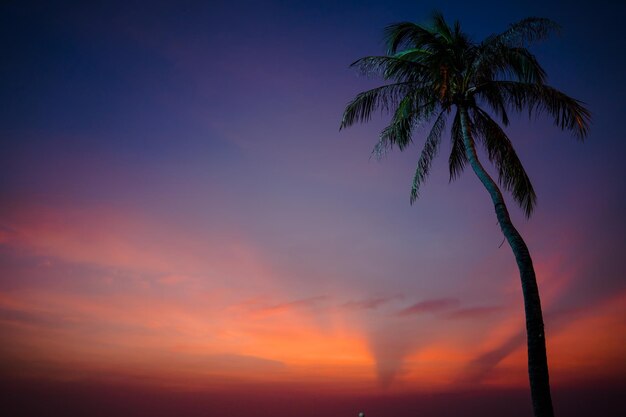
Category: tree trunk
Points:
column 537, row 358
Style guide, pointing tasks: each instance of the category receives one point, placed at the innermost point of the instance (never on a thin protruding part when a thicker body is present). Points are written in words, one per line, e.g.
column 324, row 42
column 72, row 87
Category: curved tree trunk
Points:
column 537, row 359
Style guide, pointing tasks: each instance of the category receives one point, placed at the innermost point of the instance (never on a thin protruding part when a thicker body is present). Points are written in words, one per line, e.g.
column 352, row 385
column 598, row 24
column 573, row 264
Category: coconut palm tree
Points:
column 437, row 72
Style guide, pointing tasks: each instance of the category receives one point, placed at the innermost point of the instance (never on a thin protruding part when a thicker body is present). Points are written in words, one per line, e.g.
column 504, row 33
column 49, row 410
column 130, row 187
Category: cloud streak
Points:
column 474, row 312
column 436, row 305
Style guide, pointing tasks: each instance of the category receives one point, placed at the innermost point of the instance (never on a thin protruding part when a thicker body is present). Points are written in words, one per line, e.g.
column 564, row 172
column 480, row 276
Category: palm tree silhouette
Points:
column 438, row 70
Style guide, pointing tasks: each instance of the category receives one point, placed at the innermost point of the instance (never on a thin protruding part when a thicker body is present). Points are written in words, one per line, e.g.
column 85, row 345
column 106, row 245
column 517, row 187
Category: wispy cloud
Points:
column 474, row 312
column 429, row 306
column 367, row 304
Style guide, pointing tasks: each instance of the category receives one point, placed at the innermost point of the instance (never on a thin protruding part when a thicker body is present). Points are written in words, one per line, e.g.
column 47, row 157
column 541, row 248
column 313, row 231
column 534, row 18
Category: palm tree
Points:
column 433, row 71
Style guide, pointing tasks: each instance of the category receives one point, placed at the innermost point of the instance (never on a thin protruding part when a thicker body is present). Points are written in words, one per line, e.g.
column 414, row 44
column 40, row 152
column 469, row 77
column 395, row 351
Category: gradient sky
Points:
column 183, row 226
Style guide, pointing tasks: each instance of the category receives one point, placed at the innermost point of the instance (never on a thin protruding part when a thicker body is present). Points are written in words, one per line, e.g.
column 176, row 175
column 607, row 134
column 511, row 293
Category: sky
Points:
column 184, row 229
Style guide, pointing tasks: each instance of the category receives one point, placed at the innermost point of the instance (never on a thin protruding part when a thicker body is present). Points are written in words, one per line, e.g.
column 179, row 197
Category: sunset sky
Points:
column 184, row 227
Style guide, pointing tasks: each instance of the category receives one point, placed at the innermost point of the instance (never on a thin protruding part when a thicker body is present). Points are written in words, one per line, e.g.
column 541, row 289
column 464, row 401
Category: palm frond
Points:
column 408, row 35
column 415, row 108
column 523, row 66
column 412, row 110
column 526, row 31
column 457, row 29
column 458, row 157
column 567, row 112
column 511, row 173
column 441, row 27
column 400, row 129
column 391, row 67
column 431, row 146
column 414, row 54
column 408, row 115
column 500, row 61
column 493, row 98
column 382, row 98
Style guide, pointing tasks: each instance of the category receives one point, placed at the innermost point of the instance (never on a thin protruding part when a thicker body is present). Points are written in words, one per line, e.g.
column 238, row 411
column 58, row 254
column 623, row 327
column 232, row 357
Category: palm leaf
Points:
column 526, row 31
column 399, row 130
column 494, row 99
column 441, row 27
column 511, row 173
column 431, row 146
column 500, row 61
column 382, row 98
column 391, row 67
column 413, row 54
column 408, row 35
column 414, row 108
column 568, row 113
column 458, row 157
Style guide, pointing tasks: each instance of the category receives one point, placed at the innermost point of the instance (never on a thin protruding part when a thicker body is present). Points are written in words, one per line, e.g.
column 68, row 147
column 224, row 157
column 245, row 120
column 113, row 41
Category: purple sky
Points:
column 181, row 214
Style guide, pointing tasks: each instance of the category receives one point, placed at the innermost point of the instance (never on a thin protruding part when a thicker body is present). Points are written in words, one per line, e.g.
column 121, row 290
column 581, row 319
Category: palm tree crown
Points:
column 436, row 70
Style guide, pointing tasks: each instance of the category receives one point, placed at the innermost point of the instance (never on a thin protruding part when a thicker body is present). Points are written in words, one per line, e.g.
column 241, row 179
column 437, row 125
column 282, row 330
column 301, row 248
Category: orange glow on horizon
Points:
column 158, row 310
